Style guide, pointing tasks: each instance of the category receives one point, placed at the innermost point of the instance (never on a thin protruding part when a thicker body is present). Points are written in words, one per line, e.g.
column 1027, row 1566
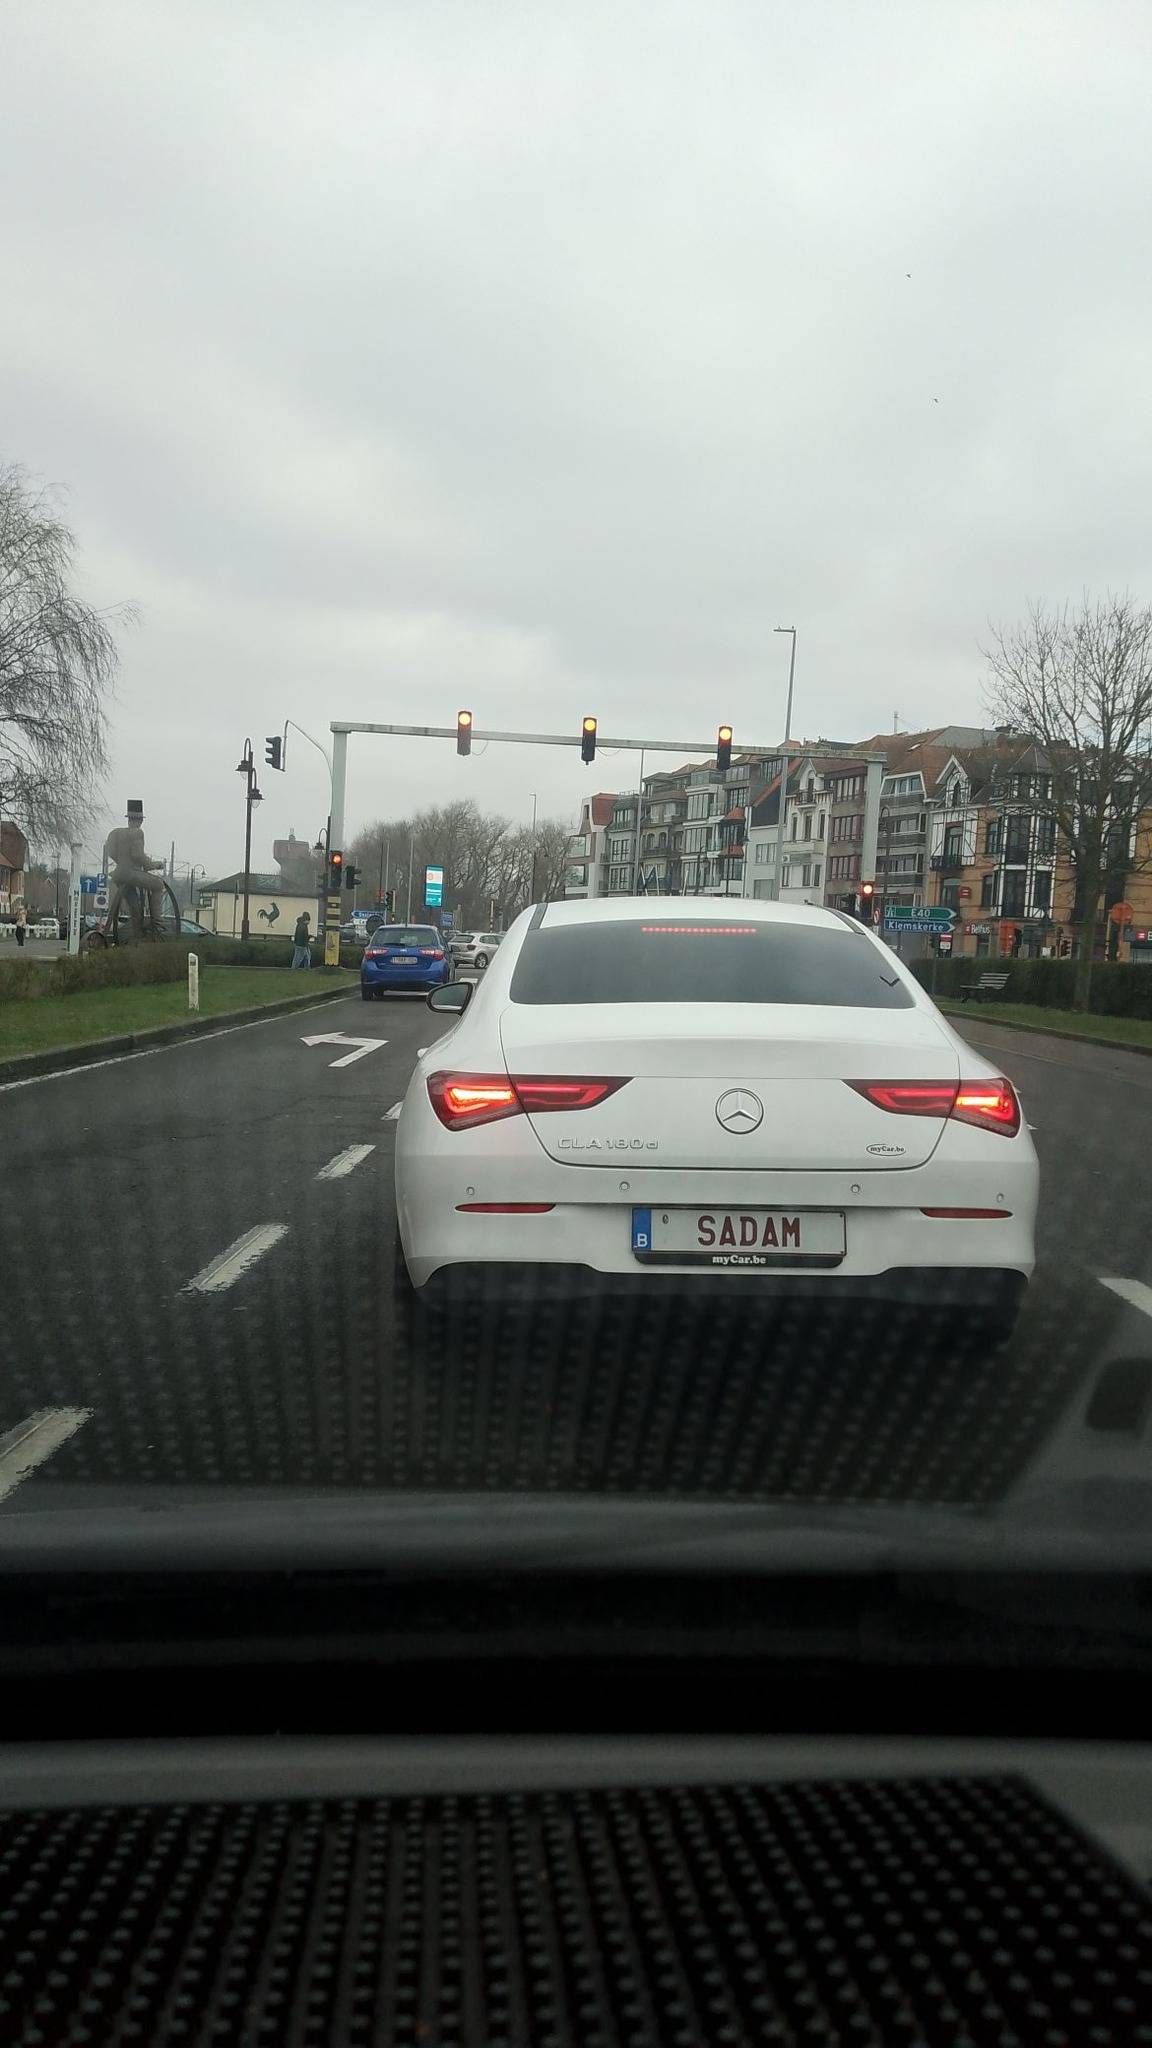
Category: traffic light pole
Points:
column 341, row 728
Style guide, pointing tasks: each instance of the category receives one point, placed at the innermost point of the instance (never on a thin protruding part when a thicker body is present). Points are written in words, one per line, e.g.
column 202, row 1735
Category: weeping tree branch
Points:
column 1078, row 683
column 58, row 660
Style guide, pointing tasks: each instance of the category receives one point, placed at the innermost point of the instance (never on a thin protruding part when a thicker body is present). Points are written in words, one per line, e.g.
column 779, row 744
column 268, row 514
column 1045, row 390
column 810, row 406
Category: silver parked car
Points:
column 474, row 949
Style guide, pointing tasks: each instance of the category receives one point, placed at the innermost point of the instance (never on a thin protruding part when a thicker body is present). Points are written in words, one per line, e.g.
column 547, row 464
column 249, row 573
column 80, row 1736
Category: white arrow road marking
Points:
column 363, row 1046
column 31, row 1441
column 224, row 1271
column 392, row 1116
column 345, row 1162
column 1134, row 1292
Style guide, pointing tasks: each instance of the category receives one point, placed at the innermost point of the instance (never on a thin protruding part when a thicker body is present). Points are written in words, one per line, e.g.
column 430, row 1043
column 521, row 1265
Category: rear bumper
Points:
column 992, row 1290
column 395, row 978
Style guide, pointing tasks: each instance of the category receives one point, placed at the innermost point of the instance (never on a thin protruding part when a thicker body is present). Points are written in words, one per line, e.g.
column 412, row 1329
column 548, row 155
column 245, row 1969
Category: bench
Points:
column 988, row 985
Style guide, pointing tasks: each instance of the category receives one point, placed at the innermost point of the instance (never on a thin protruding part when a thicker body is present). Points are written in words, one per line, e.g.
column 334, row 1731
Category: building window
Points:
column 793, row 826
column 820, row 826
column 988, row 891
column 807, row 824
column 1013, row 903
column 1042, row 891
column 1016, row 839
column 1045, row 834
column 993, row 836
column 816, row 875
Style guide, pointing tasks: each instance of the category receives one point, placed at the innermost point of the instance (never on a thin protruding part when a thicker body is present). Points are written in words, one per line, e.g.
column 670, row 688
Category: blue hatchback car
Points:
column 403, row 956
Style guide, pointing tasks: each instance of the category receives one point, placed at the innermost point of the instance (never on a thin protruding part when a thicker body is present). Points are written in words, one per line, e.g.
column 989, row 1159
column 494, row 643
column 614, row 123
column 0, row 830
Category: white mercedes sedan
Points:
column 686, row 1093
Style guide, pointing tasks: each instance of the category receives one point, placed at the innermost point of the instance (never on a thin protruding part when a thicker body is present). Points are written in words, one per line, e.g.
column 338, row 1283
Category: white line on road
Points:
column 392, row 1116
column 363, row 1046
column 1134, row 1292
column 31, row 1441
column 231, row 1264
column 345, row 1162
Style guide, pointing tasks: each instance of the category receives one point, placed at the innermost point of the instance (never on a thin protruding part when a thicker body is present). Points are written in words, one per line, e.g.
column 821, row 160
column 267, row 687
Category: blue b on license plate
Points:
column 738, row 1238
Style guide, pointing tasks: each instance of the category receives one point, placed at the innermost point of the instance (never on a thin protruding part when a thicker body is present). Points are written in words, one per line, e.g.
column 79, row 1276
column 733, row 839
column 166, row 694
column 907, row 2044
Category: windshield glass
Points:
column 657, row 960
column 576, row 793
column 405, row 935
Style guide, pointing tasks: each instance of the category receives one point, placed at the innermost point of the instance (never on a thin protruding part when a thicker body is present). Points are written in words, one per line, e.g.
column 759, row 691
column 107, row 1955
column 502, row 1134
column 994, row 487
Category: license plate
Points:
column 741, row 1239
column 403, row 956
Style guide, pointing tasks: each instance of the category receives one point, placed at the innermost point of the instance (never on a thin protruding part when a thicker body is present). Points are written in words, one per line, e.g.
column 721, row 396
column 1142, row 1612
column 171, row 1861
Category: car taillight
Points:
column 461, row 1100
column 549, row 1092
column 430, row 953
column 990, row 1105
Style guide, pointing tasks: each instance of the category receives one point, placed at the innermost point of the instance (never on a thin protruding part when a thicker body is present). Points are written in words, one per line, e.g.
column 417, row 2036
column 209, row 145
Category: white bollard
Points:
column 193, row 981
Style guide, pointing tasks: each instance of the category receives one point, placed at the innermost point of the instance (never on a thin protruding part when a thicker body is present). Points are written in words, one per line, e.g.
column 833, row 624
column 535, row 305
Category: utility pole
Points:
column 532, row 884
column 636, row 837
column 785, row 763
column 246, row 767
column 411, row 856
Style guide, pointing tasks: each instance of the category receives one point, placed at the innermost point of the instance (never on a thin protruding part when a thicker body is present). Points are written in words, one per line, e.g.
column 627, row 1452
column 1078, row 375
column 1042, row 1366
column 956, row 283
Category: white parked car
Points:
column 642, row 1094
column 475, row 949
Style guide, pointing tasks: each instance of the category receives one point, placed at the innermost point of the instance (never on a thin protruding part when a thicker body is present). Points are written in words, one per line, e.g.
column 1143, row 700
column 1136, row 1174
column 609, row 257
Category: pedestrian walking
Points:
column 302, row 942
column 21, row 924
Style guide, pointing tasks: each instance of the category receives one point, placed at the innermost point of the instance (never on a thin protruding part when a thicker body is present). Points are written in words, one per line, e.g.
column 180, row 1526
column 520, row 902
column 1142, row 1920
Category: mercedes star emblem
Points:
column 739, row 1111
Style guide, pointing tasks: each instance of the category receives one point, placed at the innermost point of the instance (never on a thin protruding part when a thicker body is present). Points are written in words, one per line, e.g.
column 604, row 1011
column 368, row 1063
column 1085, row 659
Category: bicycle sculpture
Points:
column 140, row 903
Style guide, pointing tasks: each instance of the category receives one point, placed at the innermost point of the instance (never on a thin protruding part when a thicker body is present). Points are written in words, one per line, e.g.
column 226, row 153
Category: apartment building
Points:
column 996, row 859
column 585, row 871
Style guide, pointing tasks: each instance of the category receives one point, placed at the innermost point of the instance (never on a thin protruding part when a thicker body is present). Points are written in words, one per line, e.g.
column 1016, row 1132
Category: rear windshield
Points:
column 405, row 935
column 653, row 960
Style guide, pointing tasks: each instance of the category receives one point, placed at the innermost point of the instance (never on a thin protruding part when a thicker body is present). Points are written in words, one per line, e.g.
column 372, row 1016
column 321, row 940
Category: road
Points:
column 196, row 1260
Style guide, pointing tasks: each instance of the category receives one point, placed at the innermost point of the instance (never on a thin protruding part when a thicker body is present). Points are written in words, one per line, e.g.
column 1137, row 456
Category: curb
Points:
column 57, row 1059
column 1047, row 1030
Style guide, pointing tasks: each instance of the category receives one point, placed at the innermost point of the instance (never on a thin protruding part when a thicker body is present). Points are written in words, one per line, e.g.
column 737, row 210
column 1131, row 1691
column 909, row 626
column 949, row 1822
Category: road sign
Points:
column 1121, row 913
column 363, row 1046
column 924, row 924
column 447, row 920
column 90, row 883
column 938, row 917
column 433, row 888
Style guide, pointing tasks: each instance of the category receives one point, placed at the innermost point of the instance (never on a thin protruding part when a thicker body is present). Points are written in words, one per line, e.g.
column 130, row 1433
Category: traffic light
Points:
column 724, row 748
column 463, row 732
column 335, row 869
column 274, row 750
column 389, row 906
column 866, row 904
column 588, row 740
column 351, row 876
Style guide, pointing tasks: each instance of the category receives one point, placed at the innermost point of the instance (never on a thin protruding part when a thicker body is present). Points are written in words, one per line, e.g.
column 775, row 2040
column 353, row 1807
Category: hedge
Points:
column 141, row 966
column 1118, row 990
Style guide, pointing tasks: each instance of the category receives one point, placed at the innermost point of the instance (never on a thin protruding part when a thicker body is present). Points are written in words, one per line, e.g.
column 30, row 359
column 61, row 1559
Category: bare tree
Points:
column 1079, row 684
column 488, row 864
column 57, row 665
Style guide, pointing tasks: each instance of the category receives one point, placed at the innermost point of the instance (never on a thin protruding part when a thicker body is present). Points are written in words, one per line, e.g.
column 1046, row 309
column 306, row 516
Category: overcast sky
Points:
column 399, row 355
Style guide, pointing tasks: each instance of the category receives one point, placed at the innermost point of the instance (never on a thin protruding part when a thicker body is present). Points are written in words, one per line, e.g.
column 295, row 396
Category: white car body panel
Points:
column 657, row 1140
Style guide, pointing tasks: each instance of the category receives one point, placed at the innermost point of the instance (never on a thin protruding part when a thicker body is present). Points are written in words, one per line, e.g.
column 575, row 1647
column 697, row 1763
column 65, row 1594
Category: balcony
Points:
column 947, row 863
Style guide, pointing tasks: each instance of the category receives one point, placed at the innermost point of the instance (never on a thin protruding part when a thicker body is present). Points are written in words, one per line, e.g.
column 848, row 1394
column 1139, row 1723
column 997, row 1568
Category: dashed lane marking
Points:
column 345, row 1162
column 33, row 1440
column 392, row 1116
column 231, row 1264
column 1134, row 1292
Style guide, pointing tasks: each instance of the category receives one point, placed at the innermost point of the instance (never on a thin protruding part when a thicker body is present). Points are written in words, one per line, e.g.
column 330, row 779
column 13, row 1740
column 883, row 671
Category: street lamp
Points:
column 785, row 762
column 246, row 767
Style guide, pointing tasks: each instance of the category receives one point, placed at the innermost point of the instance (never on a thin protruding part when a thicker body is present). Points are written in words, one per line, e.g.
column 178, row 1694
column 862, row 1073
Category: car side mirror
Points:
column 454, row 997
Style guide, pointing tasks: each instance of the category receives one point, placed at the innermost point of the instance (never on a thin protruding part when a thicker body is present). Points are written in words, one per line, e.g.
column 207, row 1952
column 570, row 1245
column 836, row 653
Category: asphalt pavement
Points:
column 197, row 1273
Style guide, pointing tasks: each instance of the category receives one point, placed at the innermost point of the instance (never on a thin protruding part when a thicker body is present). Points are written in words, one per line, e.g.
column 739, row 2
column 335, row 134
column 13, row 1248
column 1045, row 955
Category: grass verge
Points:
column 1060, row 1023
column 48, row 1021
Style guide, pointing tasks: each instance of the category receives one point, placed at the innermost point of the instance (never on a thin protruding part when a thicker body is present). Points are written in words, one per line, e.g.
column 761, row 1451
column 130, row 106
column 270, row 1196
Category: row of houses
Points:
column 956, row 815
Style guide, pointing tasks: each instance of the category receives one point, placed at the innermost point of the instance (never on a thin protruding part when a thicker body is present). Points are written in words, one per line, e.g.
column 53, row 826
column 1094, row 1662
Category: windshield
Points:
column 576, row 809
column 657, row 960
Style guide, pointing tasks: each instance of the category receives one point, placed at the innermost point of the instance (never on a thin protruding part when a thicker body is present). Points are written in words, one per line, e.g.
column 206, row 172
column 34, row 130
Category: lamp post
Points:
column 246, row 767
column 785, row 762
